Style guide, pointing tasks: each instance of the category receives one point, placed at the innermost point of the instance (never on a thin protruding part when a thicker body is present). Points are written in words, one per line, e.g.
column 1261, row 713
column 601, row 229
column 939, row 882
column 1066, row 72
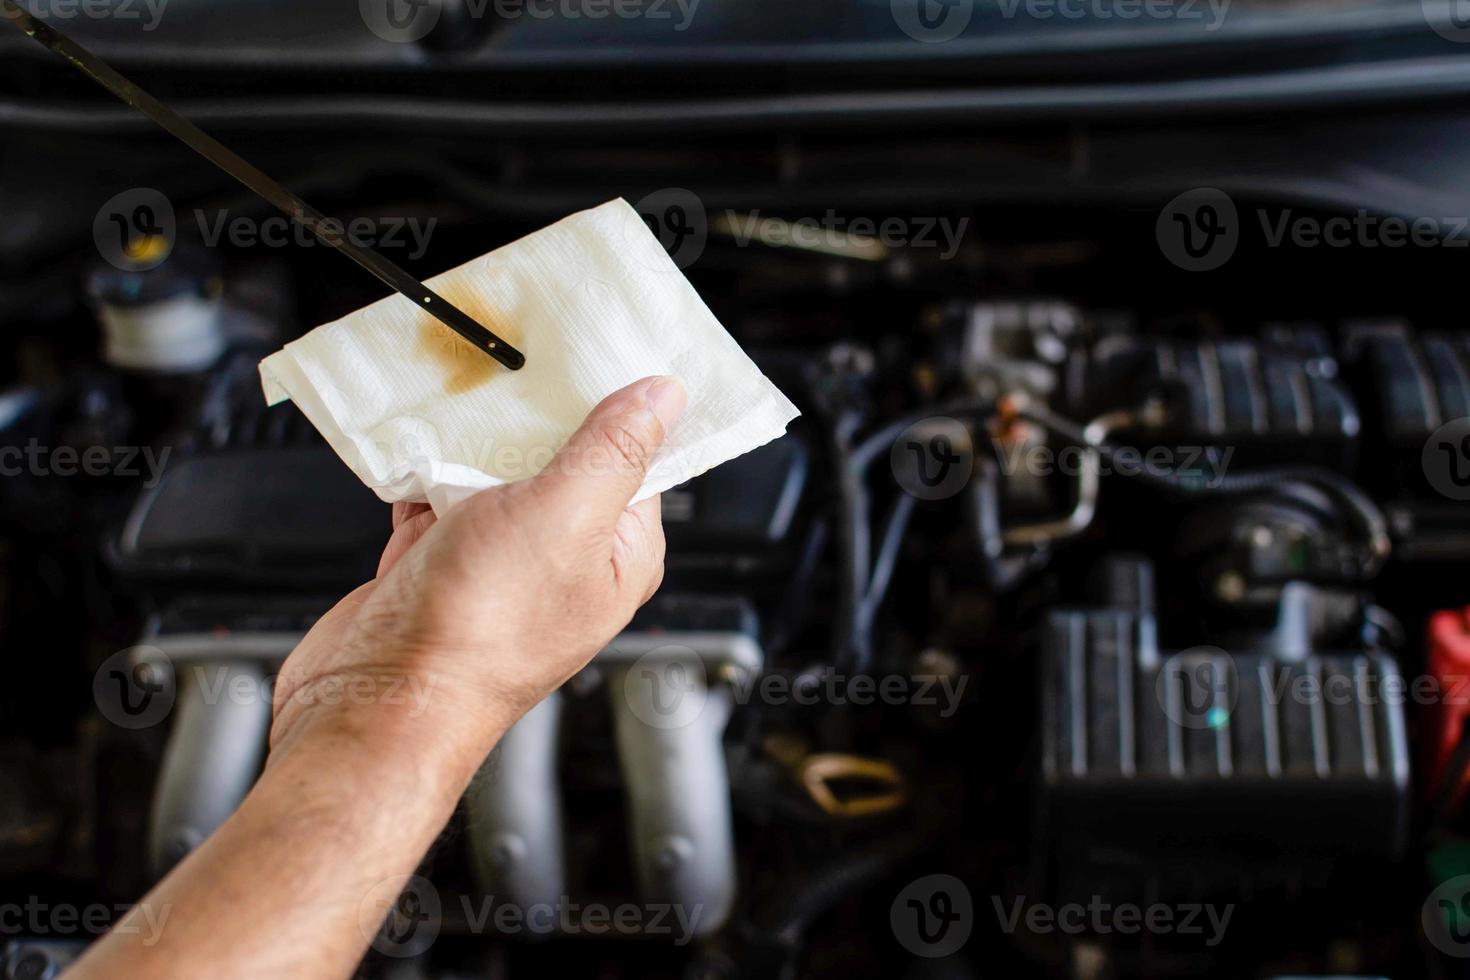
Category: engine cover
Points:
column 1234, row 757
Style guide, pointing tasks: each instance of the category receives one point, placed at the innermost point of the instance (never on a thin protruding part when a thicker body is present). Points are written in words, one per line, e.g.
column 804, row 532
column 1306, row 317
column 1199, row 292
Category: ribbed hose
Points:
column 1276, row 478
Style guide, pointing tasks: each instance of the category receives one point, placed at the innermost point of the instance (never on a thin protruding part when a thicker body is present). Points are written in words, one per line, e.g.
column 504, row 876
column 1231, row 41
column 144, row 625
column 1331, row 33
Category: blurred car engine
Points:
column 1084, row 584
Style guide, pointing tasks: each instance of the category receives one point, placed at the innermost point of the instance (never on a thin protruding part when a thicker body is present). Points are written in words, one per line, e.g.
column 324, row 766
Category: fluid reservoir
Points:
column 165, row 319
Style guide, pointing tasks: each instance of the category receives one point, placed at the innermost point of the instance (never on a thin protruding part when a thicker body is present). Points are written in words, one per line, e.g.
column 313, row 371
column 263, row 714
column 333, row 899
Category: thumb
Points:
column 594, row 476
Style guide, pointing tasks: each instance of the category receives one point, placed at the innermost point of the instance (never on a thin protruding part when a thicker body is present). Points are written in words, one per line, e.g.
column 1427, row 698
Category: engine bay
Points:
column 1097, row 618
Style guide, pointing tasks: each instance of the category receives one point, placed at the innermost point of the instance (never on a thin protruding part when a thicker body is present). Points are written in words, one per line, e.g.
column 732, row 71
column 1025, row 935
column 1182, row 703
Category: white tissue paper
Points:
column 593, row 301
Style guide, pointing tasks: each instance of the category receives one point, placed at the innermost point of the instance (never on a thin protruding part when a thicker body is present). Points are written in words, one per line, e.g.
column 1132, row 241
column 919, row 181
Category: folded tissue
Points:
column 593, row 301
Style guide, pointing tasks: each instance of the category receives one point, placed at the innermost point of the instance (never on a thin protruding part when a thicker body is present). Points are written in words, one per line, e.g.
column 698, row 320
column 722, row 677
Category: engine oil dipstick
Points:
column 236, row 166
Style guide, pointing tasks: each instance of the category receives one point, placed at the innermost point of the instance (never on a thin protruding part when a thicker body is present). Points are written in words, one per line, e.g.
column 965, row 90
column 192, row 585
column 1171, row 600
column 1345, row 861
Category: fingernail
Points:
column 666, row 399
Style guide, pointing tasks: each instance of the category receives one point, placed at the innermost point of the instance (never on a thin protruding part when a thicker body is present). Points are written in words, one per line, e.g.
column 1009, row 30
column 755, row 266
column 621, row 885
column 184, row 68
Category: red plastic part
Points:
column 1449, row 664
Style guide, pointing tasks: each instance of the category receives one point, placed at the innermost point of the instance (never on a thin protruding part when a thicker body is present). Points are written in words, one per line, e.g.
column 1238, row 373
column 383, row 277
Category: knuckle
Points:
column 628, row 447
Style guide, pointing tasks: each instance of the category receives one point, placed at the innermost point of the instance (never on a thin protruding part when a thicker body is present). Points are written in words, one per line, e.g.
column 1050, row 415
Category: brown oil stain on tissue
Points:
column 465, row 367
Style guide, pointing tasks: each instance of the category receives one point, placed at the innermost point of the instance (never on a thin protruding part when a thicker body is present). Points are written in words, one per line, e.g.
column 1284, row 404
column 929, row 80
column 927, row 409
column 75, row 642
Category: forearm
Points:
column 294, row 883
column 487, row 611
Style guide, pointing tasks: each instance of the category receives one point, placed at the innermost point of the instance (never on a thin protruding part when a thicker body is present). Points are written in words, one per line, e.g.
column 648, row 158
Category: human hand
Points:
column 495, row 606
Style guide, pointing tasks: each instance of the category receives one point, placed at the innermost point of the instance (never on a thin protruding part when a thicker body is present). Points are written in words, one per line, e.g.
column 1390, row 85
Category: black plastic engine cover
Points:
column 289, row 517
column 1244, row 754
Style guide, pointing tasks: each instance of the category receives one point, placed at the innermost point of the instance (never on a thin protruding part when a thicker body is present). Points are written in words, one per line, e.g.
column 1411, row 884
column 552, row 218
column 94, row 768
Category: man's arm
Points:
column 487, row 611
column 297, row 880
